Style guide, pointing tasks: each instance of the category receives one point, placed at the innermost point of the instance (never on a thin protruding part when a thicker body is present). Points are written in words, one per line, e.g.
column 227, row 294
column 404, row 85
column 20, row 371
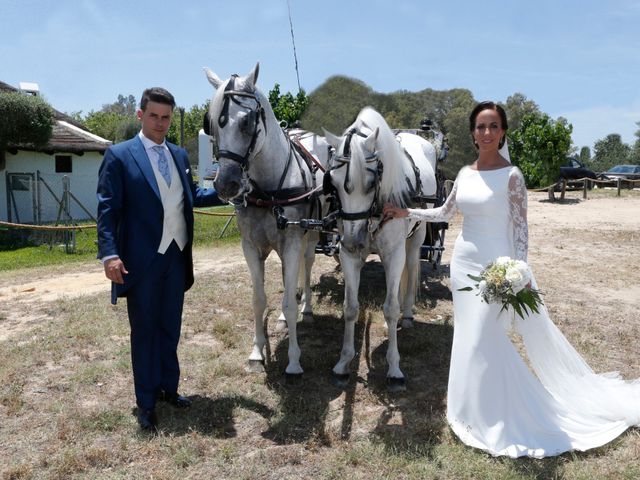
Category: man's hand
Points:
column 114, row 270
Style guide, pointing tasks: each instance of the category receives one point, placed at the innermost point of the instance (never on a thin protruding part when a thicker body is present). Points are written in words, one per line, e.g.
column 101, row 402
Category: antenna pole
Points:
column 293, row 41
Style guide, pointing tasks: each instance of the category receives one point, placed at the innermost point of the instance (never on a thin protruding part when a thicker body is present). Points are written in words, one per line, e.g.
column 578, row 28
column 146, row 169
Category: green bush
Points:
column 24, row 120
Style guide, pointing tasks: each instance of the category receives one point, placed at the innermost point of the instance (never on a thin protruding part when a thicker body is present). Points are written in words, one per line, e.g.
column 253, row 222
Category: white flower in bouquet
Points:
column 518, row 275
column 508, row 282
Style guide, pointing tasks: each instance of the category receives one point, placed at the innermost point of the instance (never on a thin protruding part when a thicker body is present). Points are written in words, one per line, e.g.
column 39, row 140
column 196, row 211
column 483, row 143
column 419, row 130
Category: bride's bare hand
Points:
column 389, row 212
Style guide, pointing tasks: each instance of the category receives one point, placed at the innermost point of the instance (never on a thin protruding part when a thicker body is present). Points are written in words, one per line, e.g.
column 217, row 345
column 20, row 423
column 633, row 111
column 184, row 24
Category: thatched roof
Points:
column 68, row 136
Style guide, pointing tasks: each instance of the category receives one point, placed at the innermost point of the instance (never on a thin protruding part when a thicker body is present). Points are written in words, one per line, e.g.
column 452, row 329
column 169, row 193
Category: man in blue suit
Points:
column 146, row 196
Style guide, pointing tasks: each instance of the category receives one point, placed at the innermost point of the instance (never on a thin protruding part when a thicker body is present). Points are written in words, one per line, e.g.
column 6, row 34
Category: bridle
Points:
column 344, row 160
column 252, row 125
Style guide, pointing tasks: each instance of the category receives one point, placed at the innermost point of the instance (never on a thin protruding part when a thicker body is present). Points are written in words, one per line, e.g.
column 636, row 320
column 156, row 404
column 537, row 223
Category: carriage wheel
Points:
column 434, row 239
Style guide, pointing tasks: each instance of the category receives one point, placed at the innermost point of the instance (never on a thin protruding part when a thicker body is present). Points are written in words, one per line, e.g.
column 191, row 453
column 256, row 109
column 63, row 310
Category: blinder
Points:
column 327, row 183
column 249, row 123
column 206, row 123
column 344, row 161
column 248, row 126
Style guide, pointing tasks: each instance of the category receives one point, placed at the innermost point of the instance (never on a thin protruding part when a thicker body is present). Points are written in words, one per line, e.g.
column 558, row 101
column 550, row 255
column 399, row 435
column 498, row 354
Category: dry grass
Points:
column 66, row 399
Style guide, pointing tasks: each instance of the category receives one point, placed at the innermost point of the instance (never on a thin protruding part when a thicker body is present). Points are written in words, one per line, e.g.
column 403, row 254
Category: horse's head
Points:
column 236, row 120
column 354, row 175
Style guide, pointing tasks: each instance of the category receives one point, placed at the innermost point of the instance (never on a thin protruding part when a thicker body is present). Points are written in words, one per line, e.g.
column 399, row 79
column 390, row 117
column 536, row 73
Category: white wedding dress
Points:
column 495, row 401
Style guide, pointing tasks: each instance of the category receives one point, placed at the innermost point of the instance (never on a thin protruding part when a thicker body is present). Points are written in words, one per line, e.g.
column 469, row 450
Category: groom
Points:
column 146, row 197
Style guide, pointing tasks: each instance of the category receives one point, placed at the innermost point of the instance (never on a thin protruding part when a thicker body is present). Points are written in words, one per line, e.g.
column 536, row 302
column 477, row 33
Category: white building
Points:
column 53, row 182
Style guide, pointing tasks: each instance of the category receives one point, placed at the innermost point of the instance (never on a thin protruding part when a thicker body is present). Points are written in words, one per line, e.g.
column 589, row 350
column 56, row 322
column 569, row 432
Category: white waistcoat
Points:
column 174, row 226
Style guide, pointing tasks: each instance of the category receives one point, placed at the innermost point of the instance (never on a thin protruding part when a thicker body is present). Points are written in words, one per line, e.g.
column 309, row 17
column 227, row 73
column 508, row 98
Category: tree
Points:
column 539, row 146
column 115, row 121
column 608, row 152
column 24, row 120
column 193, row 119
column 336, row 103
column 516, row 107
column 125, row 106
column 455, row 126
column 288, row 108
column 585, row 155
column 634, row 156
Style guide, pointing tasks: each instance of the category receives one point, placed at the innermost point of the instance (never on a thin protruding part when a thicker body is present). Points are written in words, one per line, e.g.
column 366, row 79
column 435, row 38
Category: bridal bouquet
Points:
column 507, row 281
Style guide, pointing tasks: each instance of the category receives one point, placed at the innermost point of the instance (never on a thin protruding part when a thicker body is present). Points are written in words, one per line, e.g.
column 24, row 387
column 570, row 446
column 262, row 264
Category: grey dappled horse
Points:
column 260, row 168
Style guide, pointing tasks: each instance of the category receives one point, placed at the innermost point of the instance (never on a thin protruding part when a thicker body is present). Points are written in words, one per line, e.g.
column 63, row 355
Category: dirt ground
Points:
column 565, row 240
column 66, row 393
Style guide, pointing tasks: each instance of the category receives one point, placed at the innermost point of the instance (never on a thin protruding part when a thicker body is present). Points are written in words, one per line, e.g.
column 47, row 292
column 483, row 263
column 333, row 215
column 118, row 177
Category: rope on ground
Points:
column 216, row 214
column 576, row 180
column 46, row 227
column 544, row 189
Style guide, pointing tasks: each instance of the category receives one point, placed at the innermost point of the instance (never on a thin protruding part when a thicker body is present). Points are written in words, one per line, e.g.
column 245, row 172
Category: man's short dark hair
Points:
column 158, row 95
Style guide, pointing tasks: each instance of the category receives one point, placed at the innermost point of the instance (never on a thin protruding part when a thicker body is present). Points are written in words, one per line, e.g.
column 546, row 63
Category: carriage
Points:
column 433, row 244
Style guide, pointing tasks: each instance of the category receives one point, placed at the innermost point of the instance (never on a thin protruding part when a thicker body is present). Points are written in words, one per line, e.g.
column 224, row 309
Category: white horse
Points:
column 371, row 166
column 262, row 171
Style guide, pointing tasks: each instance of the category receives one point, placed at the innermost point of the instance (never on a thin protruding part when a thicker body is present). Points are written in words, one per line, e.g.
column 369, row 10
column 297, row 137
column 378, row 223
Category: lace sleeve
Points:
column 518, row 211
column 439, row 214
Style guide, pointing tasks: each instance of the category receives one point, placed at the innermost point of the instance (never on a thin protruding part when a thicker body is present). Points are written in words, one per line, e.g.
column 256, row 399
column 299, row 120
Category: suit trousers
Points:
column 154, row 305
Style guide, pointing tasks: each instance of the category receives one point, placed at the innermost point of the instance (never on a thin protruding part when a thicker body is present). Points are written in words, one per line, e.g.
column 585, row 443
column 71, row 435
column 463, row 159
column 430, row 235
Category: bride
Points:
column 495, row 401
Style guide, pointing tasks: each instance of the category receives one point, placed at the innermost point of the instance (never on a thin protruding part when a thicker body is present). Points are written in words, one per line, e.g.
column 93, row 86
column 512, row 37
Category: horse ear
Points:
column 370, row 141
column 252, row 78
column 331, row 139
column 213, row 78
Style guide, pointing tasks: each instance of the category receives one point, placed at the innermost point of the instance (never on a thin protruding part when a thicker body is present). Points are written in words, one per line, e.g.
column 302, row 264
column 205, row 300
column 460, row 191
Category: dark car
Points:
column 574, row 169
column 625, row 172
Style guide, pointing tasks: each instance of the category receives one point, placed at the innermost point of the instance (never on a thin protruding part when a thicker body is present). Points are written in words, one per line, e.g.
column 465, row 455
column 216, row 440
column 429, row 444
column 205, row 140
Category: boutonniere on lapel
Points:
column 187, row 171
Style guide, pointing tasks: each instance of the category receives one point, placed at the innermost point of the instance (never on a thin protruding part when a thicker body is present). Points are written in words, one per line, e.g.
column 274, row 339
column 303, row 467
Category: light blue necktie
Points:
column 163, row 164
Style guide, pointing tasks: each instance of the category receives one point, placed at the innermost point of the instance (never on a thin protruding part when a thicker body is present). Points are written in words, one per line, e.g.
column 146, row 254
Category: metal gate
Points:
column 22, row 198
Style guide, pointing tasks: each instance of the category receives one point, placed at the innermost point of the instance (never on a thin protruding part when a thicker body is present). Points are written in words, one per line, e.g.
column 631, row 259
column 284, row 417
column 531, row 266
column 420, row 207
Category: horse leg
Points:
column 306, row 306
column 351, row 266
column 281, row 323
column 256, row 268
column 393, row 265
column 411, row 276
column 291, row 258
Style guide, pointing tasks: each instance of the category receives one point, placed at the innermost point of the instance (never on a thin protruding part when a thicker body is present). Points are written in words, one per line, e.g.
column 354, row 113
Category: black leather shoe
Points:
column 148, row 420
column 175, row 399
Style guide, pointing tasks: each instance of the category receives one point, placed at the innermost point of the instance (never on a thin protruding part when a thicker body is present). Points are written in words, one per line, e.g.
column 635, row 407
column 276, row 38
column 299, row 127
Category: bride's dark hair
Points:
column 488, row 105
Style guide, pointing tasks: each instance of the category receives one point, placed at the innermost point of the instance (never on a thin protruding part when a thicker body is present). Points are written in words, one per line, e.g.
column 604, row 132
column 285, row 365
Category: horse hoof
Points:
column 292, row 378
column 281, row 326
column 407, row 322
column 396, row 384
column 340, row 380
column 255, row 366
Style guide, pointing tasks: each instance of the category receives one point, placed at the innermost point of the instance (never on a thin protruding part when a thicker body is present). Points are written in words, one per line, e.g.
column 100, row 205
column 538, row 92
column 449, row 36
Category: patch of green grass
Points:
column 108, row 420
column 213, row 229
column 19, row 249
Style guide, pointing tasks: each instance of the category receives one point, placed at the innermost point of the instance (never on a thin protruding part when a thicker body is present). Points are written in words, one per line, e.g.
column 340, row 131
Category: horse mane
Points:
column 393, row 185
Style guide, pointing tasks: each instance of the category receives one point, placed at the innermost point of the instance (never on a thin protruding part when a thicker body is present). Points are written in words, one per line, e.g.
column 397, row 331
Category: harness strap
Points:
column 270, row 199
column 312, row 162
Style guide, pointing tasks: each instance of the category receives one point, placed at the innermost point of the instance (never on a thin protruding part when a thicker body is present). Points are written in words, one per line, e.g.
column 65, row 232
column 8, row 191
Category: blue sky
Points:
column 579, row 59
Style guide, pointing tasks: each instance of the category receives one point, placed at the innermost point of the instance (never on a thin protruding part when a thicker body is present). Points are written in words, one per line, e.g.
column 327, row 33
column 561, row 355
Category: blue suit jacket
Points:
column 130, row 212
